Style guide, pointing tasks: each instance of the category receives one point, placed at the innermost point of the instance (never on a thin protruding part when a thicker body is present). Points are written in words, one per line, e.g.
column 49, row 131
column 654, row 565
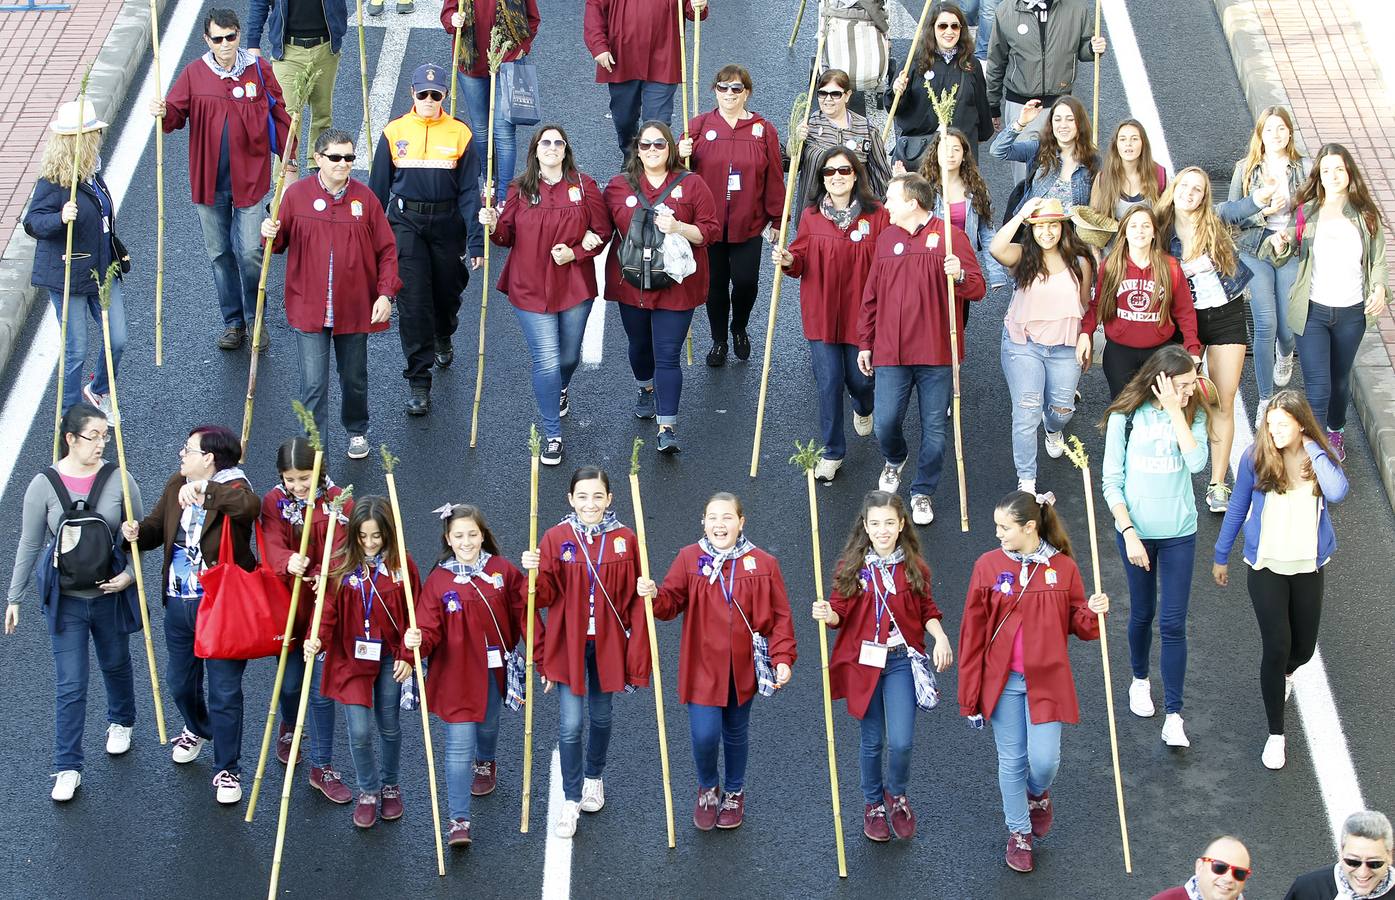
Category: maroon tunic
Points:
column 746, row 157
column 350, row 680
column 484, row 23
column 280, row 539
column 642, row 35
column 564, row 212
column 692, row 204
column 833, row 265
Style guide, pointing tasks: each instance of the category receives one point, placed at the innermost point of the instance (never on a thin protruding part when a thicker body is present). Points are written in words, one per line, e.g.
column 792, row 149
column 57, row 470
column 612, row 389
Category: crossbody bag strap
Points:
column 503, row 645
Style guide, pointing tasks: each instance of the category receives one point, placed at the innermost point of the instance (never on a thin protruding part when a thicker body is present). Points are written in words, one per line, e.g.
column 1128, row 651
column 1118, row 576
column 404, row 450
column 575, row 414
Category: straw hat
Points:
column 1093, row 227
column 67, row 120
column 1048, row 210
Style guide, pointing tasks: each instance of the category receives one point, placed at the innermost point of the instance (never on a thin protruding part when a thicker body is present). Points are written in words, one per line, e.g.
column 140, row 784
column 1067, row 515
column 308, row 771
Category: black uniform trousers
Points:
column 430, row 261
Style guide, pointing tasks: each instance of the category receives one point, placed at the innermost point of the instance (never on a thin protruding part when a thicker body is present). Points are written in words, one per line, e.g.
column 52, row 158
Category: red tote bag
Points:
column 242, row 614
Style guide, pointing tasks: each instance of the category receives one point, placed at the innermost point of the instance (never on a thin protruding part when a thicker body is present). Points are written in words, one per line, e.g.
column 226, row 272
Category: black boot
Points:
column 420, row 403
column 717, row 356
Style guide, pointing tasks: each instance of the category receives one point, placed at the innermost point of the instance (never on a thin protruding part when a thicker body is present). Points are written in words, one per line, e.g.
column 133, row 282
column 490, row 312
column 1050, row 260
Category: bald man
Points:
column 1221, row 871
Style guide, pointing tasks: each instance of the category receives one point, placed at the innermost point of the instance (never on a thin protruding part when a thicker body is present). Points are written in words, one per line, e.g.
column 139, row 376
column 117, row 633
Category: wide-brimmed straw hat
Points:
column 1093, row 227
column 69, row 121
column 1049, row 210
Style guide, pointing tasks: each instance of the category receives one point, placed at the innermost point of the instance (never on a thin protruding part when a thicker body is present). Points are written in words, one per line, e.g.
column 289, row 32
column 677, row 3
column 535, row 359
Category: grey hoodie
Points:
column 1023, row 64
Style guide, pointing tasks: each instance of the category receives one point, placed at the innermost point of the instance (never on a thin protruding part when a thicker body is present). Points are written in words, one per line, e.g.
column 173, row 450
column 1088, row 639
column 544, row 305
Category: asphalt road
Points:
column 141, row 826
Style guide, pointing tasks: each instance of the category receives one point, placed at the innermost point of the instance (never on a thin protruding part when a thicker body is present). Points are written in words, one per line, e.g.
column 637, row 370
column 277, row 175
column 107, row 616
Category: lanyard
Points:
column 880, row 603
column 728, row 590
column 366, row 598
column 1025, row 576
column 592, row 573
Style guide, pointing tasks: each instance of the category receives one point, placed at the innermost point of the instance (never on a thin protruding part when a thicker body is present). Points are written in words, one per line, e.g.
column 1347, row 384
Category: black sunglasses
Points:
column 220, row 38
column 1375, row 865
column 730, row 87
column 829, row 171
column 946, row 26
column 1220, row 867
column 340, row 157
column 430, row 95
column 830, row 95
column 656, row 144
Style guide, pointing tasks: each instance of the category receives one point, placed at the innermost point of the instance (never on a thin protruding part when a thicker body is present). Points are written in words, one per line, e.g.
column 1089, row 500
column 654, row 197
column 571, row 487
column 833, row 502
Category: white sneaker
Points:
column 1027, row 485
column 827, row 469
column 358, row 447
column 1273, row 755
column 1283, row 370
column 1055, row 444
column 1288, row 687
column 229, row 787
column 1174, row 734
column 186, row 747
column 922, row 513
column 567, row 818
column 890, row 479
column 1141, row 698
column 1260, row 409
column 592, row 795
column 862, row 425
column 65, row 785
column 118, row 739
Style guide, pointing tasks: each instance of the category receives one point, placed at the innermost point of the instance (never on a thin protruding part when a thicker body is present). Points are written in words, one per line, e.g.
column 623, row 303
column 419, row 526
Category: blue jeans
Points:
column 656, row 339
column 1028, row 754
column 835, row 368
column 359, row 719
column 320, row 721
column 1171, row 563
column 475, row 93
column 889, row 723
column 554, row 340
column 635, row 102
column 1041, row 380
column 597, row 703
column 75, row 351
column 1327, row 349
column 79, row 619
column 981, row 13
column 351, row 359
column 467, row 742
column 232, row 236
column 1269, row 289
column 219, row 716
column 933, row 385
column 726, row 728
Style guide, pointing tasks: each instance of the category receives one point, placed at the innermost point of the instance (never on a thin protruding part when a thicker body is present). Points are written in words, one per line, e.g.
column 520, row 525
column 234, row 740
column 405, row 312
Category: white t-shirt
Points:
column 1337, row 263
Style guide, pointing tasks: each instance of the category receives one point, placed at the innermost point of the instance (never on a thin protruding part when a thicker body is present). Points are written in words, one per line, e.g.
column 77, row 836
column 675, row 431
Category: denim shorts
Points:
column 1221, row 325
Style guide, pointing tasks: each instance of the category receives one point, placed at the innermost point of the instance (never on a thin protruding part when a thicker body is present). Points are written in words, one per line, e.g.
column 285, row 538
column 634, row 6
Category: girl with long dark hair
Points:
column 964, row 198
column 946, row 60
column 1061, row 158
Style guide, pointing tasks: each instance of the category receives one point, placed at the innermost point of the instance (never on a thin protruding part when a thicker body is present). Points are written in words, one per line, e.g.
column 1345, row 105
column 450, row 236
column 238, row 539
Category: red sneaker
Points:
column 486, row 776
column 705, row 811
column 458, row 835
column 283, row 745
column 902, row 817
column 874, row 823
column 329, row 782
column 733, row 809
column 1019, row 851
column 1042, row 813
column 392, row 802
column 366, row 810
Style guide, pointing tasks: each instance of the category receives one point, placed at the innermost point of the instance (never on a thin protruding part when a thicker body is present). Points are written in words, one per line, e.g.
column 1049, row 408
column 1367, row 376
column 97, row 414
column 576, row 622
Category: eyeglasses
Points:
column 430, row 95
column 545, row 144
column 830, row 171
column 1375, row 865
column 946, row 26
column 656, row 144
column 729, row 87
column 830, row 95
column 99, row 438
column 220, row 38
column 340, row 157
column 186, row 450
column 1220, row 867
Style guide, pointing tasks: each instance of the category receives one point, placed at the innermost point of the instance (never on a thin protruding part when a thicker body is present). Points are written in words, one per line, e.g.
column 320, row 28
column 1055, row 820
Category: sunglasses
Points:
column 830, row 171
column 946, row 26
column 656, row 144
column 1220, row 867
column 430, row 95
column 339, row 157
column 830, row 95
column 729, row 87
column 1375, row 865
column 220, row 38
column 547, row 144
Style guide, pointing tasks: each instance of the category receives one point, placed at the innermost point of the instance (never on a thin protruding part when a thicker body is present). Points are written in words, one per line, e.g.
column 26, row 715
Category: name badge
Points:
column 591, row 627
column 873, row 654
column 619, row 545
column 106, row 225
column 733, row 181
column 574, row 194
column 932, row 240
column 748, row 563
column 496, row 657
column 370, row 651
column 678, row 192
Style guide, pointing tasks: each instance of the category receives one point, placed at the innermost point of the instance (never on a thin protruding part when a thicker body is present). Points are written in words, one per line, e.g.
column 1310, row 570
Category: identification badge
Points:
column 899, row 248
column 711, row 134
column 932, row 240
column 748, row 563
column 106, row 224
column 619, row 545
column 574, row 194
column 237, row 92
column 591, row 627
column 678, row 192
column 733, row 181
column 356, row 208
column 365, row 649
column 320, row 205
column 251, row 90
column 856, row 237
column 1050, row 576
column 873, row 654
column 496, row 657
column 631, row 202
column 864, row 226
column 758, row 130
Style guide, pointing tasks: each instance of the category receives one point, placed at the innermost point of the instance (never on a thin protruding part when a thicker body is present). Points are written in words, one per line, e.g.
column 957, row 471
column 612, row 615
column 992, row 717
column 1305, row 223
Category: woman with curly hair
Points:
column 1061, row 159
column 964, row 198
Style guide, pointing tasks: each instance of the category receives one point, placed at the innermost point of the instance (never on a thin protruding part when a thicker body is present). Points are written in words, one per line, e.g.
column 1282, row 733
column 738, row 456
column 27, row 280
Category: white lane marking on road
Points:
column 593, row 340
column 557, row 864
column 31, row 383
column 1336, row 773
column 388, row 76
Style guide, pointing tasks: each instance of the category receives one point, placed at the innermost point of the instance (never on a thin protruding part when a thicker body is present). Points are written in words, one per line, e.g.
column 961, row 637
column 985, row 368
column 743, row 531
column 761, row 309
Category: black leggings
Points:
column 1121, row 363
column 731, row 289
column 1288, row 608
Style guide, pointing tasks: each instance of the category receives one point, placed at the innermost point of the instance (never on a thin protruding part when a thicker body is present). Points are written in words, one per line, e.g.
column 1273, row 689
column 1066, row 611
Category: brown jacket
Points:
column 234, row 500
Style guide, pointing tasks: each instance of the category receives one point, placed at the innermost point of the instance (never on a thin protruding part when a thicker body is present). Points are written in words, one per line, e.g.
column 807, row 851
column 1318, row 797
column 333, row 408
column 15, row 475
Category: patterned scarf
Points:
column 882, row 566
column 608, row 522
column 240, row 64
column 1042, row 554
column 1193, row 889
column 464, row 572
column 510, row 17
column 292, row 508
column 1346, row 891
column 713, row 559
column 843, row 218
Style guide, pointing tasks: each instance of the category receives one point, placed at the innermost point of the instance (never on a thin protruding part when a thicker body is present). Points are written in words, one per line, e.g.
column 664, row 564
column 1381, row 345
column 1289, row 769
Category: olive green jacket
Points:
column 1373, row 265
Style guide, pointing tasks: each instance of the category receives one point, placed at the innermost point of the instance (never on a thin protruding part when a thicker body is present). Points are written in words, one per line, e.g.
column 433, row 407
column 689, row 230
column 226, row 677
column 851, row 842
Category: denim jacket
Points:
column 1252, row 227
column 336, row 17
column 1246, row 507
column 1231, row 213
column 980, row 232
column 1010, row 145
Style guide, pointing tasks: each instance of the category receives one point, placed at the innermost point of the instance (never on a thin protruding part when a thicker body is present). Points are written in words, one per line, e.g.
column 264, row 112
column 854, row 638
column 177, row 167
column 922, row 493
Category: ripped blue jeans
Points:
column 1041, row 380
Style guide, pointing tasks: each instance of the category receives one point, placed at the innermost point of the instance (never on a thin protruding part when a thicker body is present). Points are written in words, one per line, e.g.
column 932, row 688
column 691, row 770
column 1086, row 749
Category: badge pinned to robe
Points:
column 758, row 130
column 619, row 545
column 932, row 240
column 1050, row 576
column 899, row 248
column 452, row 601
column 748, row 563
column 574, row 194
column 356, row 208
column 238, row 92
column 568, row 551
column 251, row 90
column 678, row 192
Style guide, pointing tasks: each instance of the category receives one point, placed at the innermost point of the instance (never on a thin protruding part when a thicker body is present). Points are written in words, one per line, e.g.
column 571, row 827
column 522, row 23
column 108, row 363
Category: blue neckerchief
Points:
column 883, row 566
column 1040, row 556
column 607, row 523
column 463, row 572
column 713, row 559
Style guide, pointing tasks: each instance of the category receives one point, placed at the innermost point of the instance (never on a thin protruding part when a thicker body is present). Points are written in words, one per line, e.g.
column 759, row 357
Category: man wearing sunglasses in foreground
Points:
column 1362, row 871
column 1221, row 873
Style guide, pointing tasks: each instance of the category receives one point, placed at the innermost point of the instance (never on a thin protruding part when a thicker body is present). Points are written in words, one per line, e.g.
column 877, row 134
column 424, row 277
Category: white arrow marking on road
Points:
column 387, row 77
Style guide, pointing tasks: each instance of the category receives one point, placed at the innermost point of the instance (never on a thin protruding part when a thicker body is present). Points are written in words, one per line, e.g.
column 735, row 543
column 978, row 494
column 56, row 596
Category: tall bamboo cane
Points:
column 683, row 88
column 906, row 69
column 300, row 88
column 363, row 78
column 499, row 46
column 454, row 66
column 1076, row 451
column 1095, row 103
column 806, row 458
column 104, row 297
column 944, row 110
column 159, row 194
column 683, row 64
column 653, row 638
column 697, row 56
column 798, row 17
column 68, row 268
column 534, row 450
column 799, row 119
column 307, row 422
column 399, row 534
column 335, row 506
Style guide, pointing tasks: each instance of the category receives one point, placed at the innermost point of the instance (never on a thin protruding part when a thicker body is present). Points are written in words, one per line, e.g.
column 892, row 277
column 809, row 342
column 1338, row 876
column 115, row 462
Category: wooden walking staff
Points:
column 1095, row 103
column 683, row 64
column 363, row 78
column 944, row 109
column 534, row 450
column 68, row 268
column 335, row 506
column 104, row 297
column 653, row 638
column 1076, row 451
column 307, row 422
column 799, row 119
column 798, row 17
column 300, row 88
column 399, row 534
column 159, row 194
column 906, row 69
column 454, row 66
column 806, row 458
column 499, row 46
column 697, row 55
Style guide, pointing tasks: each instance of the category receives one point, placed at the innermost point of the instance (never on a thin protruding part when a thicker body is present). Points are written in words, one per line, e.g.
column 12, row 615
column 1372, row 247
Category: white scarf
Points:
column 721, row 557
column 1346, row 891
column 240, row 64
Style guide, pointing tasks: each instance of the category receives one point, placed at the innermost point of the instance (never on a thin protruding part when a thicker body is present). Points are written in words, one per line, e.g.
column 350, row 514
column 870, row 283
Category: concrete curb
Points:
column 1372, row 375
column 126, row 48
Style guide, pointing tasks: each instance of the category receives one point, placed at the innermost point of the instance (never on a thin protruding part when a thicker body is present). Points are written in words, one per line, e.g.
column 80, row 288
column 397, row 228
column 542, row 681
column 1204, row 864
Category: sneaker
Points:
column 419, row 403
column 445, row 353
column 366, row 810
column 1019, row 851
column 564, row 405
column 1027, row 485
column 890, row 479
column 118, row 738
column 733, row 810
column 358, row 447
column 1283, row 369
column 101, row 401
column 874, row 823
column 741, row 345
column 375, row 7
column 644, row 404
column 229, row 787
column 551, row 452
column 1141, row 698
column 458, row 834
column 486, row 777
column 1338, row 444
column 566, row 819
column 1260, row 409
column 65, row 784
column 862, row 425
column 668, row 441
column 1218, row 497
column 1041, row 812
column 1272, row 757
column 827, row 469
column 717, row 356
column 284, row 739
column 186, row 747
column 902, row 817
column 1055, row 444
column 232, row 338
column 705, row 809
column 329, row 782
column 1288, row 687
column 392, row 802
column 592, row 795
column 1174, row 734
column 922, row 513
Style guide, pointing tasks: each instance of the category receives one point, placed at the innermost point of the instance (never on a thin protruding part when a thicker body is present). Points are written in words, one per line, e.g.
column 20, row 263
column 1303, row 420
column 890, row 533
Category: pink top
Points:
column 1015, row 662
column 1047, row 311
column 78, row 485
column 958, row 212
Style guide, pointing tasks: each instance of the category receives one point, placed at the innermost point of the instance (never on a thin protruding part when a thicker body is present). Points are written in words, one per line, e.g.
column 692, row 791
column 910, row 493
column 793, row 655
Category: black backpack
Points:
column 82, row 549
column 642, row 249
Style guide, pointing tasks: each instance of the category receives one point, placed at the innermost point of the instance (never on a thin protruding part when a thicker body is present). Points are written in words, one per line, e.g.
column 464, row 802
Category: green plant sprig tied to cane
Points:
column 307, row 424
column 943, row 103
column 806, row 456
column 500, row 45
column 798, row 113
column 634, row 456
column 534, row 441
